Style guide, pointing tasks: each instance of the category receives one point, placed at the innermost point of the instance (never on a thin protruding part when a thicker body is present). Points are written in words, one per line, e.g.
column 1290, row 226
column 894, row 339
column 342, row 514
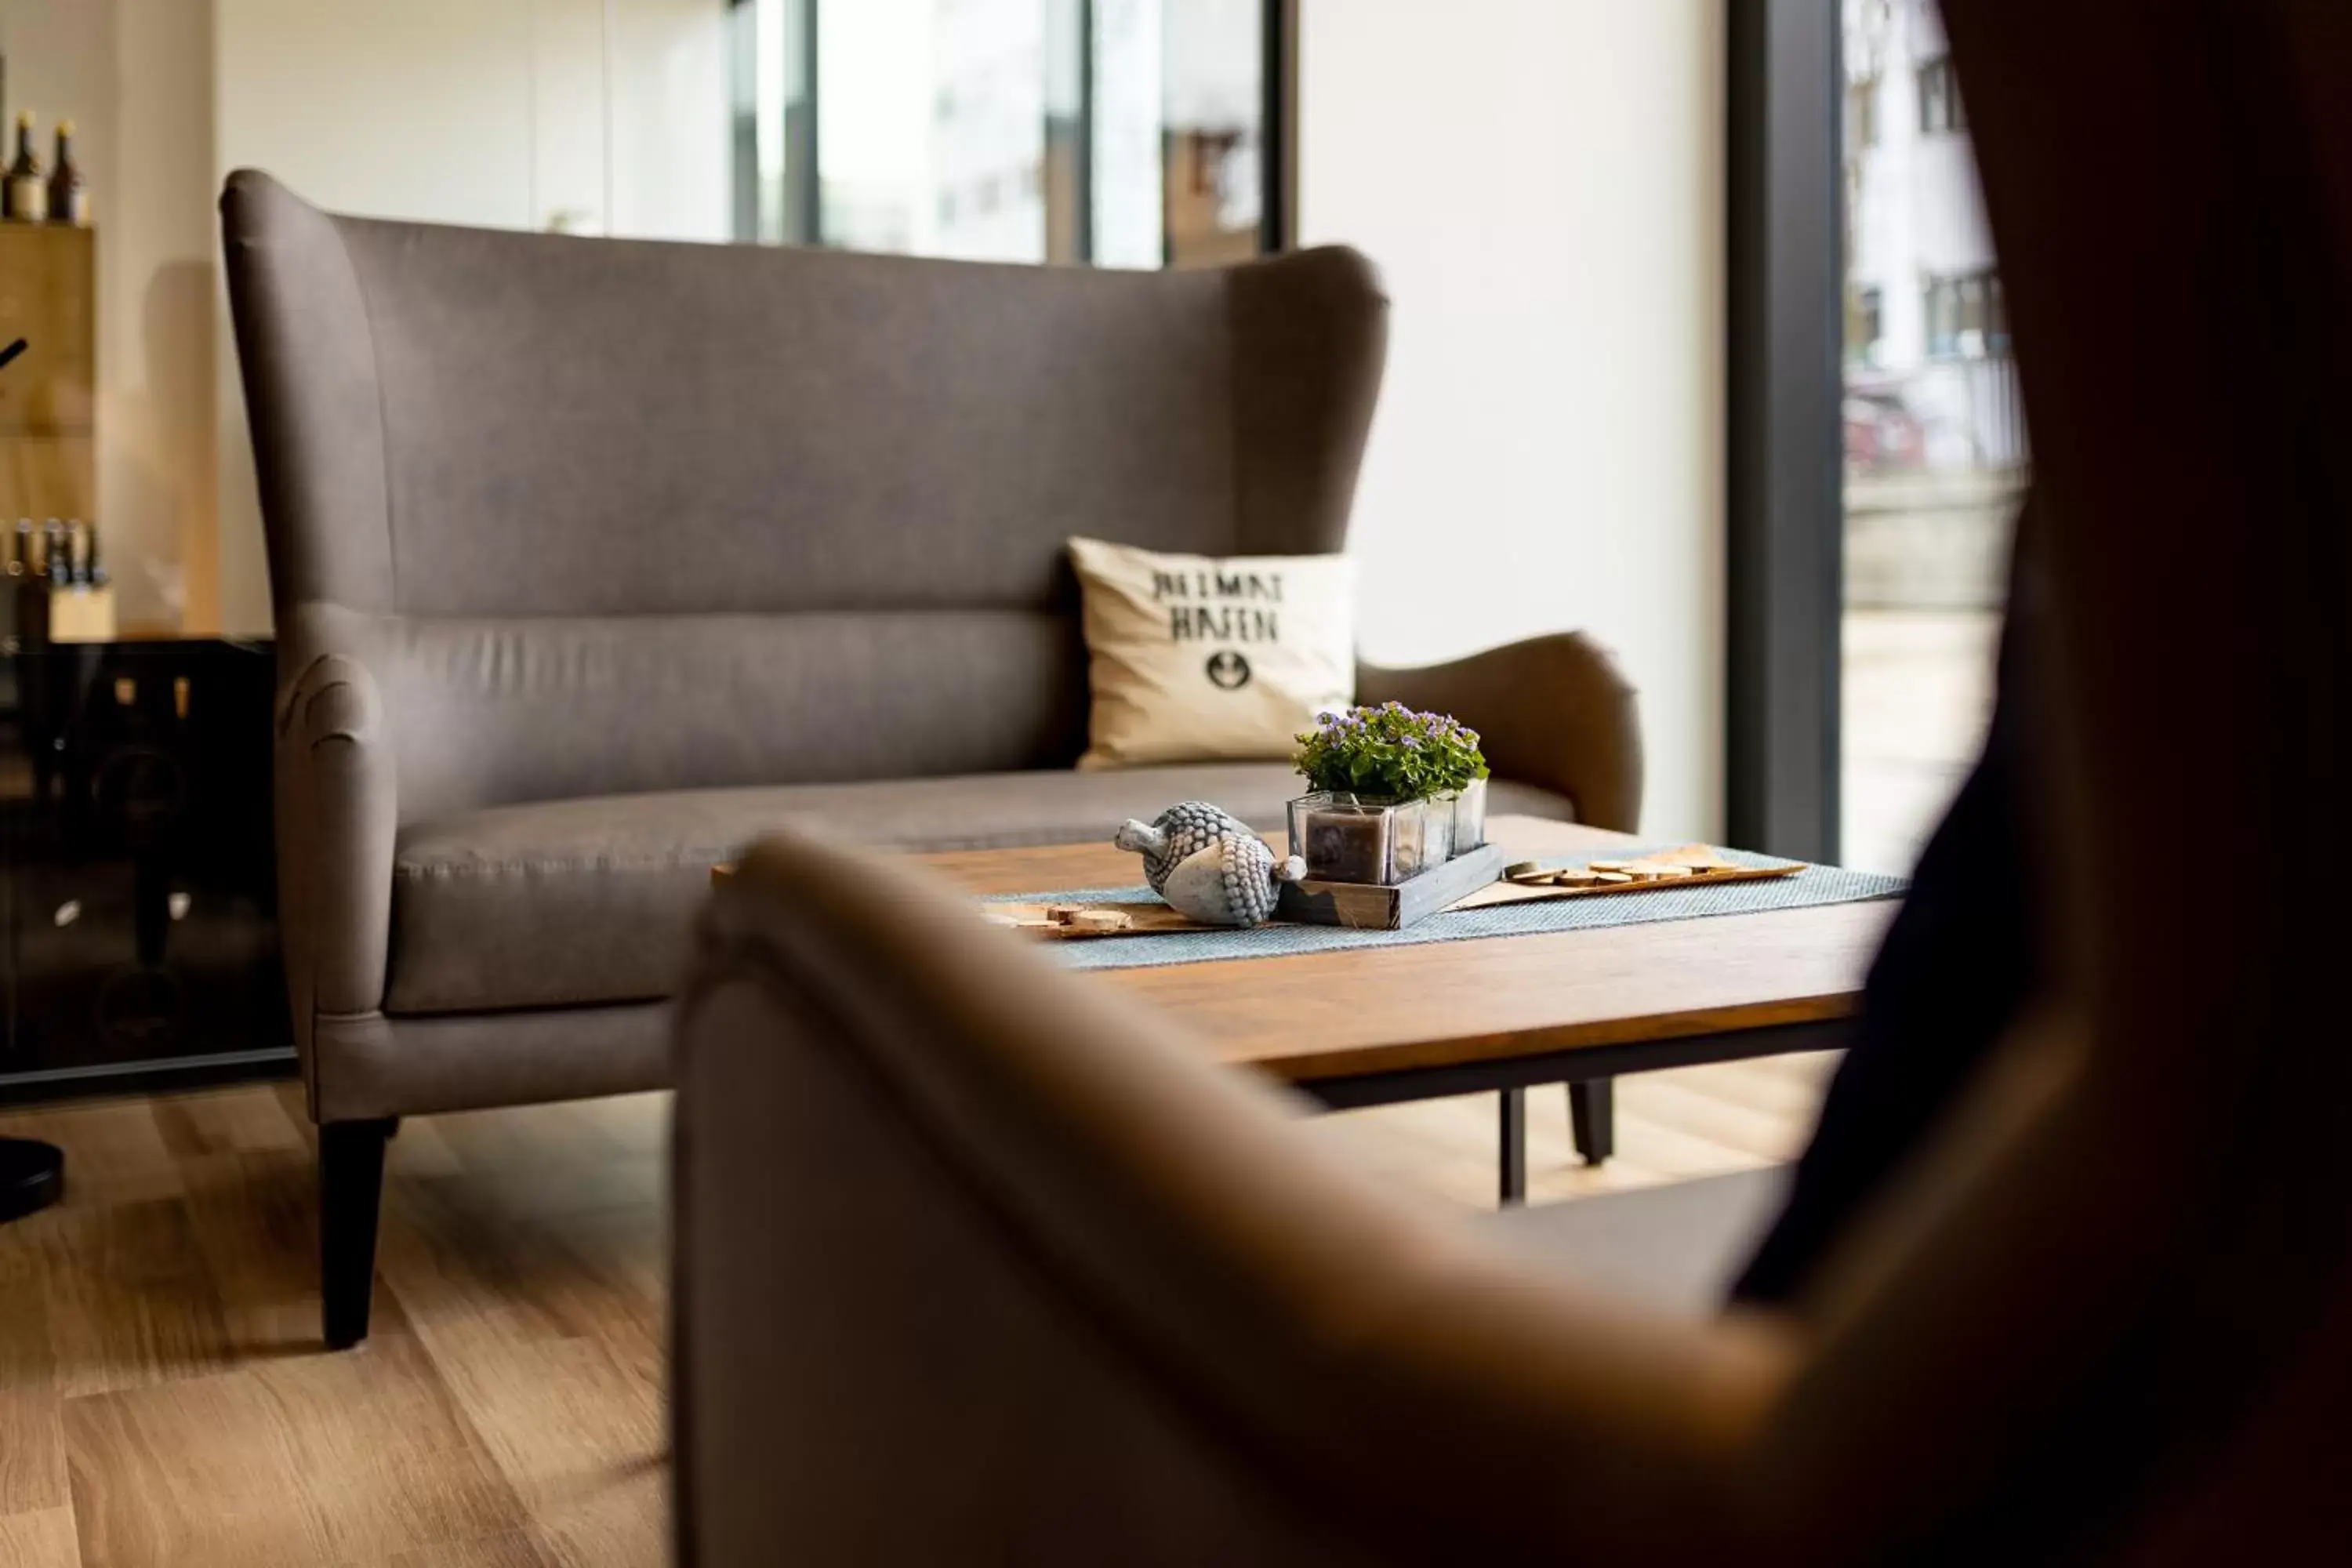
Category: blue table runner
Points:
column 1813, row 886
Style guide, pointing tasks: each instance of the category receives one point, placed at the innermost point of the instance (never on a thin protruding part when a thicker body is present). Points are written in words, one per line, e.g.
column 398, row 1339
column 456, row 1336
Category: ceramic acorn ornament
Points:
column 1209, row 866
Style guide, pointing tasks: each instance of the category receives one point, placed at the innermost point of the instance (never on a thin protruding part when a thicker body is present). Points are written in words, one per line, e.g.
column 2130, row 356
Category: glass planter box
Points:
column 1363, row 838
column 1374, row 838
column 1470, row 818
column 1437, row 846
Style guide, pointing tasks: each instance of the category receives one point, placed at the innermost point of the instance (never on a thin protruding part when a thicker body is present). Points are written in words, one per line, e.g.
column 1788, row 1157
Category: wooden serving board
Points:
column 1702, row 867
column 1355, row 905
column 1152, row 918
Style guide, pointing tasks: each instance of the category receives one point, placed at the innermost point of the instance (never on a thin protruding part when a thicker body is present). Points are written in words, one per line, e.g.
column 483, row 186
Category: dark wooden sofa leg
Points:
column 350, row 1186
column 1592, row 1117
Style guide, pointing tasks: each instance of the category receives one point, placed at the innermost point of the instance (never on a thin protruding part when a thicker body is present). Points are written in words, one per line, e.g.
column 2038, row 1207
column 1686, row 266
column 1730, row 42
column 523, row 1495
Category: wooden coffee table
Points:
column 1376, row 1025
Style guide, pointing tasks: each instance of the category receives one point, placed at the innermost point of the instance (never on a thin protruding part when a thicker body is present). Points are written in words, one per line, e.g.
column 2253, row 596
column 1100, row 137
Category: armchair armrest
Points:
column 1551, row 710
column 917, row 1146
column 336, row 813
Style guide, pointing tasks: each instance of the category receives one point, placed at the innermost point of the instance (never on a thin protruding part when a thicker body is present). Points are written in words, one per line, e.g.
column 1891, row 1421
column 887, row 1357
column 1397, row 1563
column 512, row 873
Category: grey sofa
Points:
column 590, row 560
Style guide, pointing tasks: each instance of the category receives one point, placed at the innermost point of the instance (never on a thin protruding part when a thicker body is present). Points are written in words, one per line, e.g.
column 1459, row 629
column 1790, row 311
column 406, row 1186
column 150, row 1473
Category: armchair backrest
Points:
column 757, row 515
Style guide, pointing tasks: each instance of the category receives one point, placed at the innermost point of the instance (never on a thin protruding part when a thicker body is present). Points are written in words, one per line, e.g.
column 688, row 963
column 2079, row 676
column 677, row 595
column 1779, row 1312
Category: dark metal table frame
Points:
column 1588, row 1070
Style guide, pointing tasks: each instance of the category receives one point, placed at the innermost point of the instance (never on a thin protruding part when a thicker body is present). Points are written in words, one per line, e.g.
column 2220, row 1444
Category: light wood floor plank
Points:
column 43, row 1540
column 32, row 1434
column 512, row 1549
column 122, row 1151
column 130, row 1298
column 255, row 1219
column 298, row 1460
column 32, row 1451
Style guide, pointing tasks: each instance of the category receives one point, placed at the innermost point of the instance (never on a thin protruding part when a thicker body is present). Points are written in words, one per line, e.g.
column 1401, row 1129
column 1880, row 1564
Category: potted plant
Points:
column 1395, row 792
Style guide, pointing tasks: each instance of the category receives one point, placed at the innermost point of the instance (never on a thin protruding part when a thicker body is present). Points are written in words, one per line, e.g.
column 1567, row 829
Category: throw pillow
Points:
column 1196, row 658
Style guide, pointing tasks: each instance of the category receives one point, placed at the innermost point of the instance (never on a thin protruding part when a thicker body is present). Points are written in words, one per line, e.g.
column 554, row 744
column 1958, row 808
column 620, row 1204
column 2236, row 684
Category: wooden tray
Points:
column 1351, row 904
column 1364, row 906
column 1703, row 864
column 1151, row 918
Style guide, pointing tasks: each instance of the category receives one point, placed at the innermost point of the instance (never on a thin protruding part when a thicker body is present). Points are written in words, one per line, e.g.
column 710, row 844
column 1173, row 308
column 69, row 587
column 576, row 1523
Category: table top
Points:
column 1305, row 1016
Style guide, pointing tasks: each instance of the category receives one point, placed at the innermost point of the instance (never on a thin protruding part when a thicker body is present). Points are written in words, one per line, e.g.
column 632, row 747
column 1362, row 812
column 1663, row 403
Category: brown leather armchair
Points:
column 593, row 560
column 979, row 1261
column 975, row 1263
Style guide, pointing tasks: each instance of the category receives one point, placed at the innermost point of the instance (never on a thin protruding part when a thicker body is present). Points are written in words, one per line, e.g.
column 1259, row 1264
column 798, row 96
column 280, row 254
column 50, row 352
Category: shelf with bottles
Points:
column 60, row 590
column 34, row 193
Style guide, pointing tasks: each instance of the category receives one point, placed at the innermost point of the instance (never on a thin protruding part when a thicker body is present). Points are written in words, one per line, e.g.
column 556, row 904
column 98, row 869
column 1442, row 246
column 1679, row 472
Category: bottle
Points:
column 57, row 555
column 20, row 559
column 93, row 570
column 69, row 198
column 27, row 195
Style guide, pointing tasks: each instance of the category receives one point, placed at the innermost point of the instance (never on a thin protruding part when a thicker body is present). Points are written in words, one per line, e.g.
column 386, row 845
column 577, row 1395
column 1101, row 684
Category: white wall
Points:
column 132, row 76
column 1541, row 183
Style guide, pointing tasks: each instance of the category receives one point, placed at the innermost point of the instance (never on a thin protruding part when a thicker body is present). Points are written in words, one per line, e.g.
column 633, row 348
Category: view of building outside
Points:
column 1213, row 151
column 1129, row 225
column 881, row 82
column 1935, row 438
column 962, row 127
column 988, row 129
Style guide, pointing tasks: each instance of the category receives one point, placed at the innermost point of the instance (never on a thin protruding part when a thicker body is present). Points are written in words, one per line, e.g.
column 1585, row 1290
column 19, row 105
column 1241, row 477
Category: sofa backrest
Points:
column 530, row 457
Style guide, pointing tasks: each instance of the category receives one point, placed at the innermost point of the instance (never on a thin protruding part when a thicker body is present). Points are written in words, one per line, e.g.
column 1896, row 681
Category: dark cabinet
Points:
column 139, row 890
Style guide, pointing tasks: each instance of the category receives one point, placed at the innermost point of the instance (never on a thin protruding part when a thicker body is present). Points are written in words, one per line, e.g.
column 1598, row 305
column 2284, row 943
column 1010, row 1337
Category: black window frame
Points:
column 1784, row 509
column 803, row 219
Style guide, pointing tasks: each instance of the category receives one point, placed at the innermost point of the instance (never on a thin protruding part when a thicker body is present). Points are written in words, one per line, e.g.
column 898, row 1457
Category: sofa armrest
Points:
column 1551, row 710
column 336, row 813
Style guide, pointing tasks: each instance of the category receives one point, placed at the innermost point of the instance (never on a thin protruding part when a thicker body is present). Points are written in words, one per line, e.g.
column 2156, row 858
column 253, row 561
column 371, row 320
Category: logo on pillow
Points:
column 1228, row 670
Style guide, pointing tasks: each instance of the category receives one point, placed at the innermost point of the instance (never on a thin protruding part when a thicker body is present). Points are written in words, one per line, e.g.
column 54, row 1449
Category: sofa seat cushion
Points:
column 571, row 902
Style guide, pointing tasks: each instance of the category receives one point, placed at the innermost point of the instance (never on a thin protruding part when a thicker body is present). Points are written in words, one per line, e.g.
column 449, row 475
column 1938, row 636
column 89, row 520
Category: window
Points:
column 1939, row 99
column 1123, row 133
column 1866, row 325
column 1871, row 506
column 1861, row 112
column 1967, row 317
column 1934, row 454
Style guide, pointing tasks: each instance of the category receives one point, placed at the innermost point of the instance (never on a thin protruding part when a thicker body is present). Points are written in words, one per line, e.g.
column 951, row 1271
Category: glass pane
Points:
column 988, row 132
column 1128, row 36
column 875, row 97
column 1214, row 83
column 1179, row 153
column 1123, row 132
column 931, row 127
column 1935, row 437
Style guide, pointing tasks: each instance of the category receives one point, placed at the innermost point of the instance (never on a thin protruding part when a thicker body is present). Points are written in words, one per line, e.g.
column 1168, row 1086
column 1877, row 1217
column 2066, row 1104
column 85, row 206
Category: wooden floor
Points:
column 163, row 1399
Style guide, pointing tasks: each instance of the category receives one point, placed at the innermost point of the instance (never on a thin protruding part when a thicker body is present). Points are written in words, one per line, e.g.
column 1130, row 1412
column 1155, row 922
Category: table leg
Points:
column 1513, row 1143
column 1592, row 1117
